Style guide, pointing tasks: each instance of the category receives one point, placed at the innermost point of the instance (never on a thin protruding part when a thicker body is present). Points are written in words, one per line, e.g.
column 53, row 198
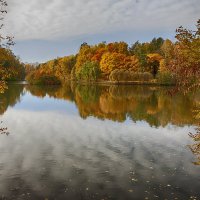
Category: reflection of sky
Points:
column 33, row 103
column 44, row 149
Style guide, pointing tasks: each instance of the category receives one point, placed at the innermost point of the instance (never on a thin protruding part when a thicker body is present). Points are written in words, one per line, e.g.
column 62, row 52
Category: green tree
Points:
column 85, row 54
column 89, row 72
column 141, row 50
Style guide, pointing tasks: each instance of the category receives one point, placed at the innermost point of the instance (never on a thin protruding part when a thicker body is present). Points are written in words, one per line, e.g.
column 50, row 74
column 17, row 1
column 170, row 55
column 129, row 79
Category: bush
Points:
column 119, row 75
column 146, row 76
column 166, row 78
column 125, row 75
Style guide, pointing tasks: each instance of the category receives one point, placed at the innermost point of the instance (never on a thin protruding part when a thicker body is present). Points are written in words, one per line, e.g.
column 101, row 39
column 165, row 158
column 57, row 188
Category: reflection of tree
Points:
column 139, row 103
column 43, row 91
column 117, row 103
column 195, row 148
column 10, row 97
column 53, row 91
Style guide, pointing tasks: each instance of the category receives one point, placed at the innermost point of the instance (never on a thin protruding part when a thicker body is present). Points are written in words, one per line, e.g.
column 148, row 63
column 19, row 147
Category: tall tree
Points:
column 5, row 42
column 186, row 62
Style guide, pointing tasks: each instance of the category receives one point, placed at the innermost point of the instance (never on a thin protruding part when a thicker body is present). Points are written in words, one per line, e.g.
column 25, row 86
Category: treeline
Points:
column 114, row 61
column 161, row 61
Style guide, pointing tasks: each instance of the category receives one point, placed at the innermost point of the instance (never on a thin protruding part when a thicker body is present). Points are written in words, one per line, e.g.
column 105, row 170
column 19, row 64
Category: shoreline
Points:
column 122, row 83
column 145, row 83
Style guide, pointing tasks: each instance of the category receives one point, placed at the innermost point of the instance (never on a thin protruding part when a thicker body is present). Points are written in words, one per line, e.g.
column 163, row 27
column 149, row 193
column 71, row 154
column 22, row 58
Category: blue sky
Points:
column 46, row 29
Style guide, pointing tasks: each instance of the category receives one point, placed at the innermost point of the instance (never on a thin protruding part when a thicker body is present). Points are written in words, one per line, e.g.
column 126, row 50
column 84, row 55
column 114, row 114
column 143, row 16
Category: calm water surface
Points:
column 108, row 142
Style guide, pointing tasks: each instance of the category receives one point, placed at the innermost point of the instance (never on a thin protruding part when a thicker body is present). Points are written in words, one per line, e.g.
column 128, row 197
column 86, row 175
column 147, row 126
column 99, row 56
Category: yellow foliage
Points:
column 154, row 57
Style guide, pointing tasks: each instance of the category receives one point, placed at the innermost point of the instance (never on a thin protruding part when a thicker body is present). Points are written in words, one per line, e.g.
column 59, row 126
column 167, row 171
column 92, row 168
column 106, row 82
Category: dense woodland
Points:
column 110, row 62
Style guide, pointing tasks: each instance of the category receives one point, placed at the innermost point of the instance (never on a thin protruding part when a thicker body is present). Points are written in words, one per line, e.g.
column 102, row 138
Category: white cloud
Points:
column 54, row 19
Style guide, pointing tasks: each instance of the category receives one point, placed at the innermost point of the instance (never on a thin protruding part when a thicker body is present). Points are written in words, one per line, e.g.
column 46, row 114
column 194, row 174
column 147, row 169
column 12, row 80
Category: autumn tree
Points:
column 186, row 67
column 186, row 62
column 167, row 50
column 28, row 68
column 5, row 42
column 154, row 60
column 118, row 47
column 85, row 54
column 99, row 49
column 112, row 61
column 64, row 67
column 131, row 63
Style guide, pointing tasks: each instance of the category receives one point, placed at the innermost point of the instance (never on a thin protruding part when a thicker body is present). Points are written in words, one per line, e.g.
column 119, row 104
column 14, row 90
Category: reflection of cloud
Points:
column 68, row 18
column 49, row 148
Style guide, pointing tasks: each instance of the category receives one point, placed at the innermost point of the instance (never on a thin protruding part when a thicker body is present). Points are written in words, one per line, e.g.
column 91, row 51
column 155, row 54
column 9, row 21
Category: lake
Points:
column 97, row 142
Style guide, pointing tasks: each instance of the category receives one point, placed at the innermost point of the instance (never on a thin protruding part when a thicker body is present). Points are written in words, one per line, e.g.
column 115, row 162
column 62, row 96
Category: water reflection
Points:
column 195, row 148
column 10, row 97
column 54, row 153
column 151, row 104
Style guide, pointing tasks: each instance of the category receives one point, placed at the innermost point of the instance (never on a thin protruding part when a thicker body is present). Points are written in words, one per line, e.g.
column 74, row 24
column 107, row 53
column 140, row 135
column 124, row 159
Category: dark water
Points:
column 89, row 142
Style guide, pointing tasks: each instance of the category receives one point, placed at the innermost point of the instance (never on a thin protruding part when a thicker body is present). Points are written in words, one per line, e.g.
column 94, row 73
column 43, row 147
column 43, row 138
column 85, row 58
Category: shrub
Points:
column 119, row 75
column 125, row 75
column 146, row 76
column 166, row 78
